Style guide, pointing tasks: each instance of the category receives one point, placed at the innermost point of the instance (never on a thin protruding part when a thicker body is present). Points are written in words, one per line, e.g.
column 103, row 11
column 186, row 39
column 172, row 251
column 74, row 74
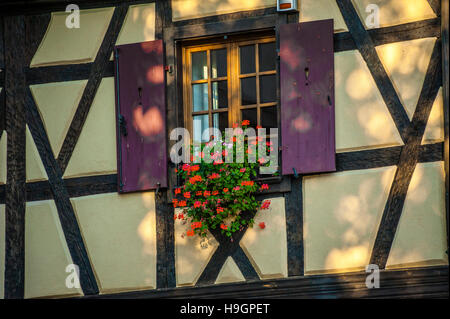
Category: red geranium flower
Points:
column 262, row 225
column 245, row 122
column 223, row 226
column 190, row 233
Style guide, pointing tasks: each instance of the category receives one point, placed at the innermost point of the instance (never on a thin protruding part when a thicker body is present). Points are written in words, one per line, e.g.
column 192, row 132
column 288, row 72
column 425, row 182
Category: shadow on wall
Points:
column 188, row 9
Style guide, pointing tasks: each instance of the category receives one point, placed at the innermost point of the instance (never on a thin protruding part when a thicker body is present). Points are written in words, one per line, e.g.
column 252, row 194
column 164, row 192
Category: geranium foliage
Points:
column 214, row 194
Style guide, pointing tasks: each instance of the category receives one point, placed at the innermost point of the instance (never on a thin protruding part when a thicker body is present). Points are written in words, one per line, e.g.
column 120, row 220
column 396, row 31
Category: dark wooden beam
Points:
column 428, row 282
column 436, row 6
column 92, row 185
column 445, row 93
column 409, row 157
column 66, row 213
column 366, row 47
column 15, row 196
column 95, row 77
column 28, row 7
column 2, row 80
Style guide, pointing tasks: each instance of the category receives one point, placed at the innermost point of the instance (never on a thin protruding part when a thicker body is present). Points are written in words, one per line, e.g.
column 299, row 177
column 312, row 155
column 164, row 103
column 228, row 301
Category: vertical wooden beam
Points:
column 2, row 79
column 165, row 226
column 15, row 194
column 445, row 92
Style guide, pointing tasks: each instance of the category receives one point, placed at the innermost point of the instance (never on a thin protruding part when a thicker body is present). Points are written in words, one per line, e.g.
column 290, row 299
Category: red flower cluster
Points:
column 195, row 225
column 194, row 179
column 223, row 226
column 265, row 204
column 264, row 186
column 214, row 176
column 247, row 183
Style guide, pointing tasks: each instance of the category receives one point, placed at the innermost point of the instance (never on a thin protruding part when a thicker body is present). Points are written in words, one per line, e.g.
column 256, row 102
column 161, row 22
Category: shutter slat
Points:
column 307, row 97
column 140, row 102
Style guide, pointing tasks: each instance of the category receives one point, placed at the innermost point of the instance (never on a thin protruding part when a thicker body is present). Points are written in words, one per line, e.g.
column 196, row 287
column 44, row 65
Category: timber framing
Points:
column 429, row 282
column 16, row 97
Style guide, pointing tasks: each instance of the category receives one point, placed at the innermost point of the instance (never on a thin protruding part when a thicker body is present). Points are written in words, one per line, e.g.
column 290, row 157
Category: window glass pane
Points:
column 248, row 91
column 200, row 97
column 247, row 56
column 199, row 66
column 220, row 121
column 219, row 95
column 218, row 63
column 200, row 123
column 251, row 115
column 267, row 55
column 269, row 117
column 267, row 88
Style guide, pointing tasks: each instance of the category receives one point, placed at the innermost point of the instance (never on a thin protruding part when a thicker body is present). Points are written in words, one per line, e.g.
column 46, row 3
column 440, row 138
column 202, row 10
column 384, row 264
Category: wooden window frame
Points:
column 233, row 78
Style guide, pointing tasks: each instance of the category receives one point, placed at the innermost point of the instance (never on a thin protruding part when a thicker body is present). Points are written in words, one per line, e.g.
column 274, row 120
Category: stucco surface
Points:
column 192, row 254
column 267, row 248
column 189, row 9
column 46, row 252
column 120, row 236
column 3, row 158
column 342, row 213
column 362, row 118
column 62, row 45
column 95, row 151
column 393, row 12
column 311, row 10
column 434, row 131
column 420, row 239
column 57, row 103
column 2, row 250
column 406, row 64
column 229, row 273
column 139, row 24
column 35, row 170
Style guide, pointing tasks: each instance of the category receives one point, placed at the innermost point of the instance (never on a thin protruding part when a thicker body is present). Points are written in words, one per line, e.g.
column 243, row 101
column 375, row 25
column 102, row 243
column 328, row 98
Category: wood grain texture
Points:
column 429, row 282
column 436, row 6
column 66, row 213
column 366, row 47
column 165, row 257
column 445, row 93
column 409, row 157
column 15, row 196
column 294, row 228
column 95, row 76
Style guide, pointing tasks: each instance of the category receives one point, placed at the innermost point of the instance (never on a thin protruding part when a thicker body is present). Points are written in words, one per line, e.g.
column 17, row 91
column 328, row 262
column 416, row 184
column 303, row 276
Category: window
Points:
column 230, row 82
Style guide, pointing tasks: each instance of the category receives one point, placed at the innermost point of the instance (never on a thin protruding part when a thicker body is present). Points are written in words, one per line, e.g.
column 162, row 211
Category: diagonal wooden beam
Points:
column 95, row 77
column 409, row 157
column 66, row 213
column 436, row 6
column 228, row 246
column 366, row 47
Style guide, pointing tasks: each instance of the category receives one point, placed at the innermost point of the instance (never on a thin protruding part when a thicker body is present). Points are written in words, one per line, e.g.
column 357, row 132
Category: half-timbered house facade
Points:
column 368, row 186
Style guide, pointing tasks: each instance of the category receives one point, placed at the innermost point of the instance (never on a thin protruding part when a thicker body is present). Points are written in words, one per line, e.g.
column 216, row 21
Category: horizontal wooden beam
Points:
column 428, row 282
column 343, row 41
column 91, row 185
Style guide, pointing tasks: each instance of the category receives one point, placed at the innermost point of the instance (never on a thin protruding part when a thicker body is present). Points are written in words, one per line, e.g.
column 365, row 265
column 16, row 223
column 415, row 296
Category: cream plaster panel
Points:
column 57, row 103
column 95, row 152
column 393, row 12
column 3, row 157
column 362, row 118
column 62, row 45
column 421, row 239
column 434, row 131
column 192, row 254
column 406, row 64
column 46, row 252
column 35, row 170
column 139, row 25
column 342, row 212
column 189, row 9
column 267, row 248
column 2, row 251
column 311, row 10
column 120, row 236
column 229, row 273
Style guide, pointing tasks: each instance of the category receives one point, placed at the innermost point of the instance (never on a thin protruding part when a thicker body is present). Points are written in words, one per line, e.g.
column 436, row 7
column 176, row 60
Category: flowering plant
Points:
column 214, row 194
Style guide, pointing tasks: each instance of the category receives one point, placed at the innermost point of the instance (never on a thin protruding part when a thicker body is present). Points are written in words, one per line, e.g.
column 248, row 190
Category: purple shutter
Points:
column 141, row 116
column 307, row 97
